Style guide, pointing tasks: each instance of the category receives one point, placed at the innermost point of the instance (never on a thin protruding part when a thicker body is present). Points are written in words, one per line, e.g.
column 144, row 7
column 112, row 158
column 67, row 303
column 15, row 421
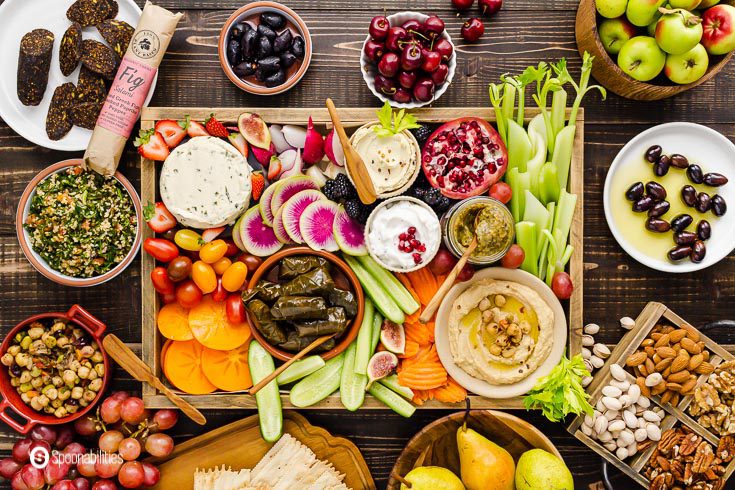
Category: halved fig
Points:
column 255, row 130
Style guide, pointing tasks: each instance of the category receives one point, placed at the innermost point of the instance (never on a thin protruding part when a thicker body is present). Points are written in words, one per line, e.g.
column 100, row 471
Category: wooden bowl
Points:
column 607, row 72
column 355, row 286
column 441, row 435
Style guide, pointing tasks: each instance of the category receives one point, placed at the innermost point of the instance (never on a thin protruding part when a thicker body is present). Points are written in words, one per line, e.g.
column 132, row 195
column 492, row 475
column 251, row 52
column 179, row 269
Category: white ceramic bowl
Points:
column 369, row 70
column 482, row 387
column 701, row 145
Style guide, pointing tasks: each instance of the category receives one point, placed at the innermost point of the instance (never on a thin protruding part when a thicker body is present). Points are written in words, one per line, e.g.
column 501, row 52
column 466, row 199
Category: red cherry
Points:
column 379, row 27
column 490, row 7
column 374, row 50
column 462, row 4
column 434, row 24
column 412, row 25
column 472, row 30
column 388, row 65
column 385, row 85
column 431, row 60
column 407, row 79
column 411, row 57
column 440, row 75
column 424, row 90
column 395, row 35
column 402, row 96
column 444, row 48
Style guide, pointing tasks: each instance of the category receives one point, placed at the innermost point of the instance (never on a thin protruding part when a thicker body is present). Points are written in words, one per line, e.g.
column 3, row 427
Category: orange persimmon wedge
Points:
column 211, row 327
column 162, row 358
column 183, row 367
column 227, row 370
column 173, row 322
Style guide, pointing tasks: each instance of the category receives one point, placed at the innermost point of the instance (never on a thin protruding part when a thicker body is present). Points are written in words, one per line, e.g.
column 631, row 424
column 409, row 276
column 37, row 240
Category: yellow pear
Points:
column 432, row 478
column 483, row 464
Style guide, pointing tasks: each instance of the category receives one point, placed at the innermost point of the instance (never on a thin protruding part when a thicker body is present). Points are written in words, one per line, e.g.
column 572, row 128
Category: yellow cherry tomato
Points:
column 221, row 265
column 234, row 277
column 213, row 251
column 189, row 240
column 204, row 276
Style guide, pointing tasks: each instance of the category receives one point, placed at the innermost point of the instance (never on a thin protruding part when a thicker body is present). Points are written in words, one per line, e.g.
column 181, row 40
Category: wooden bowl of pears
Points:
column 456, row 450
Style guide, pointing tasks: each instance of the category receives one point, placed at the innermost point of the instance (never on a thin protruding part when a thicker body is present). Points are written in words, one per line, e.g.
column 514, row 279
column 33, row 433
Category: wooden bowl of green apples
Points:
column 644, row 51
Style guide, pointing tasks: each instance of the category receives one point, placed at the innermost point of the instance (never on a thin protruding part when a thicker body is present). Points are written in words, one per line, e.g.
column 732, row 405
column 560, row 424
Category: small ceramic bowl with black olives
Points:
column 264, row 48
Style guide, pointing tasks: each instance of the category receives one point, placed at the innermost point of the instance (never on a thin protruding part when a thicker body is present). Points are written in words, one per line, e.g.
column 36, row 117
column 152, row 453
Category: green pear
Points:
column 483, row 464
column 642, row 12
column 432, row 478
column 611, row 8
column 540, row 469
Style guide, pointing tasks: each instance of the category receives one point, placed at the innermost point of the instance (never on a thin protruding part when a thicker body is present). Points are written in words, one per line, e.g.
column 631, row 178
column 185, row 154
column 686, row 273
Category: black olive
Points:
column 657, row 225
column 244, row 69
column 653, row 153
column 719, row 206
column 714, row 179
column 283, row 42
column 661, row 167
column 679, row 252
column 704, row 230
column 266, row 31
column 233, row 51
column 278, row 78
column 643, row 204
column 249, row 44
column 287, row 60
column 634, row 192
column 656, row 190
column 264, row 48
column 704, row 202
column 694, row 172
column 679, row 161
column 680, row 222
column 274, row 20
column 269, row 65
column 699, row 250
column 659, row 209
column 298, row 48
column 685, row 238
column 236, row 33
column 15, row 370
column 689, row 195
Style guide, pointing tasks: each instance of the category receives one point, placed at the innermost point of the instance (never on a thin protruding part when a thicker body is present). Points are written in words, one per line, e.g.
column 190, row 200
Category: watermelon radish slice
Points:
column 236, row 232
column 349, row 234
column 257, row 237
column 316, row 224
column 292, row 210
column 288, row 188
column 279, row 229
column 265, row 203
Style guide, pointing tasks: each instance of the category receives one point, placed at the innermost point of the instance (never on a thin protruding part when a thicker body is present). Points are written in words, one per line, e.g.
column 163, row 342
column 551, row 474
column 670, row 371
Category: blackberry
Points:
column 432, row 196
column 421, row 134
column 356, row 210
column 443, row 204
column 419, row 193
column 339, row 188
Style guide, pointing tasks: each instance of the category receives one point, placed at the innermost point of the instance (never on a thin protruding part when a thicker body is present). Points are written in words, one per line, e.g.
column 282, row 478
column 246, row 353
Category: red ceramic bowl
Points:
column 77, row 316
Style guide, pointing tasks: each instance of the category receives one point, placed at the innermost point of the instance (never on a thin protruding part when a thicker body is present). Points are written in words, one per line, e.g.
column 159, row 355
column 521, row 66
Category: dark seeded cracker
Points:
column 58, row 119
column 118, row 34
column 90, row 87
column 70, row 49
column 99, row 58
column 89, row 12
column 85, row 115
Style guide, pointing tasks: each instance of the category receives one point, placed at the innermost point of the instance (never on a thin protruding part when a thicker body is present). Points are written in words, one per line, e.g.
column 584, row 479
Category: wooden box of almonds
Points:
column 664, row 406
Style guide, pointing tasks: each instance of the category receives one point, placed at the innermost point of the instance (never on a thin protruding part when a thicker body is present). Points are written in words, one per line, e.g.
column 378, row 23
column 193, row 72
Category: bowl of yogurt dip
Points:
column 403, row 234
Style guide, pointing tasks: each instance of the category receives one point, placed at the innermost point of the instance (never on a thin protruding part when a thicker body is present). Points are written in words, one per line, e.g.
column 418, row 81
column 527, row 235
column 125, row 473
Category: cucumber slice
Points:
column 299, row 369
column 352, row 385
column 318, row 385
column 375, row 337
column 364, row 340
column 391, row 285
column 392, row 399
column 268, row 398
column 392, row 383
column 381, row 299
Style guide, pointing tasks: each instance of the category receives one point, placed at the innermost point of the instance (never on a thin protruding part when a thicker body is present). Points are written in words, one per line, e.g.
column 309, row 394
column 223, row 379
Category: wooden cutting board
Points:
column 240, row 445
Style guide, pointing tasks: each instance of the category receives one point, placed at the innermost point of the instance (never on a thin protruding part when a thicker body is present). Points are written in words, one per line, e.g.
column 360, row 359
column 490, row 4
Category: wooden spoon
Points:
column 355, row 165
column 140, row 371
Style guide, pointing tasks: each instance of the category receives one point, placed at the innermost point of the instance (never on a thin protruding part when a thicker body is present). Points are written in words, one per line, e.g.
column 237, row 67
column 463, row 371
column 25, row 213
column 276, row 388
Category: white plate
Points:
column 17, row 17
column 482, row 387
column 701, row 145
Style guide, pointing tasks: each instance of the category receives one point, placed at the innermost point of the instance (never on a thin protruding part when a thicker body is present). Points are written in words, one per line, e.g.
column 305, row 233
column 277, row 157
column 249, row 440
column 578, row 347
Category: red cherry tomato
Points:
column 219, row 293
column 232, row 249
column 562, row 285
column 161, row 281
column 514, row 257
column 188, row 294
column 251, row 261
column 161, row 249
column 168, row 298
column 235, row 308
column 501, row 191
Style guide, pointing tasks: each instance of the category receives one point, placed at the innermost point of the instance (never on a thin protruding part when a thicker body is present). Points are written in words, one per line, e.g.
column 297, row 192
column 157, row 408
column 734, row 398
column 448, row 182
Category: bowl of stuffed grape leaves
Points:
column 300, row 294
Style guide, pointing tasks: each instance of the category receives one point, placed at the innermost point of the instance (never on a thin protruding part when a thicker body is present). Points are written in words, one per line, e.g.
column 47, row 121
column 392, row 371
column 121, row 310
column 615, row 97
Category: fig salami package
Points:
column 130, row 88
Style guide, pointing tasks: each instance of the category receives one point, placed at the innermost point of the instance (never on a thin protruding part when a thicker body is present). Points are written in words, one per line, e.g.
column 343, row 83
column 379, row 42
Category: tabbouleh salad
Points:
column 81, row 223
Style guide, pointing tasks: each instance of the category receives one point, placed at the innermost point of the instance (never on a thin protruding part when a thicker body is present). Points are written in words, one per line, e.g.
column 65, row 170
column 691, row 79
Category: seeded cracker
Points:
column 70, row 49
column 58, row 120
column 90, row 87
column 85, row 115
column 118, row 34
column 113, row 8
column 99, row 58
column 34, row 62
column 90, row 12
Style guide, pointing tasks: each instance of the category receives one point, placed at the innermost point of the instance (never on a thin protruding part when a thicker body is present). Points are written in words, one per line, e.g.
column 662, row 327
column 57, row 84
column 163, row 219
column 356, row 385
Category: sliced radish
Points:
column 288, row 188
column 316, row 225
column 313, row 145
column 257, row 237
column 349, row 234
column 265, row 204
column 332, row 170
column 264, row 156
column 292, row 210
column 297, row 169
column 280, row 230
column 277, row 138
column 294, row 135
column 288, row 159
column 333, row 149
column 236, row 232
column 316, row 174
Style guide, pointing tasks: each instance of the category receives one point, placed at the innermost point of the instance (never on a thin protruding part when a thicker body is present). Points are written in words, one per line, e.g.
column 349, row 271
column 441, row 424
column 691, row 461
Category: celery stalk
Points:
column 568, row 251
column 509, row 102
column 564, row 214
column 563, row 154
column 496, row 93
column 516, row 201
column 537, row 135
column 548, row 183
column 536, row 212
column 545, row 233
column 558, row 111
column 526, row 238
column 519, row 146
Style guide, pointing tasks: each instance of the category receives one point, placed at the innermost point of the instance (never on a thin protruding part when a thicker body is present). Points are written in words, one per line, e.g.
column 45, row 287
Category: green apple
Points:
column 719, row 29
column 688, row 67
column 708, row 3
column 651, row 28
column 684, row 4
column 642, row 12
column 611, row 8
column 614, row 33
column 678, row 31
column 641, row 58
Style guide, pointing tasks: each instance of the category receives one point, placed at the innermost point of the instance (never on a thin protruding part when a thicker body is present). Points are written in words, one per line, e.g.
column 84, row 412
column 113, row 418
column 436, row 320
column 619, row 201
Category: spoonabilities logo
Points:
column 39, row 457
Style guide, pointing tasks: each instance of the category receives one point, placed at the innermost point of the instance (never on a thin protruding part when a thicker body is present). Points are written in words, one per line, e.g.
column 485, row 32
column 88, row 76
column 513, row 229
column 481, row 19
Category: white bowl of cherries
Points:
column 408, row 59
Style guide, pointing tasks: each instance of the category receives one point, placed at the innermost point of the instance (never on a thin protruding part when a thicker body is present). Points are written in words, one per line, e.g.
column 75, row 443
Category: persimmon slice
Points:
column 211, row 327
column 227, row 370
column 173, row 322
column 183, row 367
column 162, row 357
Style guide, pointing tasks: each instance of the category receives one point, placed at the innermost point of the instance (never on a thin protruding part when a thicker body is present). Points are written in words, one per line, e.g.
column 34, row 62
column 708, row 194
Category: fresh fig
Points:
column 254, row 129
column 381, row 365
column 393, row 337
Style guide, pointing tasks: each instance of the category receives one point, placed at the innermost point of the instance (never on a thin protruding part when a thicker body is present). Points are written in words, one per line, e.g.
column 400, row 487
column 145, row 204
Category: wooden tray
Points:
column 239, row 445
column 352, row 119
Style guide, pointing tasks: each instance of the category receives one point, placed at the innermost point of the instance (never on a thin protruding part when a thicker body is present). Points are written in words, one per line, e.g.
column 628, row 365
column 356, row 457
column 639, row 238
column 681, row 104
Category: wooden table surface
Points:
column 523, row 33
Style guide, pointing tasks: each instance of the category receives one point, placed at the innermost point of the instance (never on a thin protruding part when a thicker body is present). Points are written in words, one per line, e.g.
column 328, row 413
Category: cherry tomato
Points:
column 514, row 257
column 235, row 308
column 161, row 281
column 219, row 293
column 204, row 276
column 169, row 234
column 213, row 251
column 189, row 240
column 562, row 285
column 168, row 298
column 251, row 261
column 501, row 191
column 188, row 295
column 232, row 249
column 160, row 249
column 234, row 277
column 221, row 265
column 179, row 268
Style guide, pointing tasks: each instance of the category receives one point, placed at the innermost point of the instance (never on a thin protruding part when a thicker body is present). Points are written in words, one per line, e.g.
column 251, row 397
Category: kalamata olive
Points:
column 236, row 33
column 657, row 225
column 656, row 190
column 298, row 48
column 685, row 238
column 704, row 202
column 283, row 41
column 704, row 230
column 249, row 44
column 659, row 209
column 233, row 51
column 679, row 161
column 244, row 69
column 689, row 195
column 635, row 191
column 719, row 206
column 274, row 20
column 270, row 64
column 278, row 78
column 264, row 48
column 643, row 204
column 653, row 153
column 694, row 172
column 244, row 27
column 699, row 250
column 681, row 222
column 714, row 179
column 266, row 31
column 287, row 60
column 661, row 167
column 679, row 252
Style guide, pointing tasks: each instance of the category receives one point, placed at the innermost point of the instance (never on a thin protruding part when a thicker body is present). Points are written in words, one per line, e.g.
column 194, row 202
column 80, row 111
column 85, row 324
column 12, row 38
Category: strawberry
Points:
column 151, row 145
column 238, row 141
column 193, row 128
column 274, row 168
column 211, row 233
column 158, row 217
column 172, row 131
column 215, row 128
column 258, row 184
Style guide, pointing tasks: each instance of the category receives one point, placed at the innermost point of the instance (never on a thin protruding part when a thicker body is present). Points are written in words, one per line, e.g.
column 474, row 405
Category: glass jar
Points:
column 451, row 224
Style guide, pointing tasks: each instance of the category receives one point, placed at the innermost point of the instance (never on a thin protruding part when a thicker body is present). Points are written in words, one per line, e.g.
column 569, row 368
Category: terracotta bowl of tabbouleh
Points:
column 76, row 227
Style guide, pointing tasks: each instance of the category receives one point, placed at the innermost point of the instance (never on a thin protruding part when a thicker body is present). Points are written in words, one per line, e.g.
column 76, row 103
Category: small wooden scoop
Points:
column 355, row 165
column 140, row 371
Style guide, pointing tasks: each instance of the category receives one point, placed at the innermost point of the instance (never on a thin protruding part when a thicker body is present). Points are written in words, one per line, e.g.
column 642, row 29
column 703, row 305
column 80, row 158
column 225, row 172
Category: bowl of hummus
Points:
column 500, row 332
column 393, row 162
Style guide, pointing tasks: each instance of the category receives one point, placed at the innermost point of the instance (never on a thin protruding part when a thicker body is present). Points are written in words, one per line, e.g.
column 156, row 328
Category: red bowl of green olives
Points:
column 54, row 369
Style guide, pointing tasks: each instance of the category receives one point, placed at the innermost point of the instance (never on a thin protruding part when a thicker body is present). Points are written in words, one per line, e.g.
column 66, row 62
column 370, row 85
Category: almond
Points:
column 665, row 352
column 705, row 368
column 692, row 333
column 705, row 354
column 643, row 370
column 673, row 386
column 677, row 335
column 656, row 335
column 649, row 351
column 659, row 388
column 695, row 361
column 666, row 372
column 675, row 399
column 665, row 339
column 679, row 363
column 690, row 346
column 664, row 364
column 688, row 387
column 680, row 377
column 647, row 343
column 636, row 359
column 645, row 390
column 666, row 397
column 650, row 366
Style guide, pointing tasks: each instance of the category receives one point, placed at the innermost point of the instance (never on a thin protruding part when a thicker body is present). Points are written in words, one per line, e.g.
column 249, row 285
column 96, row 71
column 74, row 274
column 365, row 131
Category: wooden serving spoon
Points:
column 139, row 370
column 355, row 165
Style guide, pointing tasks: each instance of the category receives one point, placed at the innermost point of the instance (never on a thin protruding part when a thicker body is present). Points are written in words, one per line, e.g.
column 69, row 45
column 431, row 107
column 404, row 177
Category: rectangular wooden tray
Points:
column 351, row 118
